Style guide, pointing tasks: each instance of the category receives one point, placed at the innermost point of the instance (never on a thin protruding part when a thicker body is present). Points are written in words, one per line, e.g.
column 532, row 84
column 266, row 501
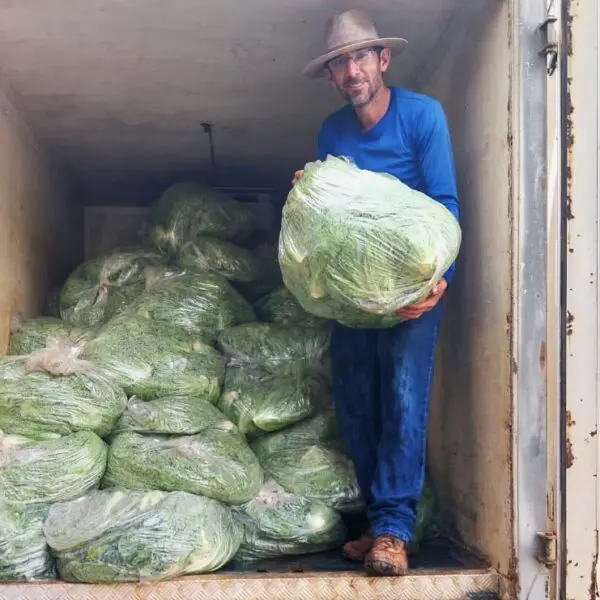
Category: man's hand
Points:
column 417, row 310
column 297, row 176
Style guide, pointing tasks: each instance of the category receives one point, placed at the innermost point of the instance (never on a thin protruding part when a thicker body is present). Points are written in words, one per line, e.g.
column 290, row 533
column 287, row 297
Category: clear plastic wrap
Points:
column 51, row 471
column 53, row 392
column 271, row 278
column 27, row 335
column 306, row 459
column 277, row 523
column 280, row 349
column 188, row 210
column 356, row 245
column 426, row 526
column 150, row 358
column 215, row 462
column 103, row 287
column 178, row 415
column 117, row 535
column 24, row 555
column 199, row 303
column 281, row 306
column 224, row 258
column 259, row 403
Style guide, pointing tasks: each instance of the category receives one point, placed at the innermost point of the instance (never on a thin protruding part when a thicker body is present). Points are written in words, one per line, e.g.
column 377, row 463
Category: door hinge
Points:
column 549, row 30
column 547, row 548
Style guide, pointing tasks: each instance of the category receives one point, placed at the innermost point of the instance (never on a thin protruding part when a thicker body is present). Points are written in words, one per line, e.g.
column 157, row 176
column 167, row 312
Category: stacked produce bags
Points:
column 176, row 417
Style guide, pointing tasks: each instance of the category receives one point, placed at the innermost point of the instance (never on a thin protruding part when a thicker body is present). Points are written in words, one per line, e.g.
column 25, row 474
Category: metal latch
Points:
column 547, row 552
column 550, row 48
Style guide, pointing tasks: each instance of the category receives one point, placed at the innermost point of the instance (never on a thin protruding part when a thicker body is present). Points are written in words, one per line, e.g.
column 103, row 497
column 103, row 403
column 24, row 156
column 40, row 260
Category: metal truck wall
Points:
column 471, row 418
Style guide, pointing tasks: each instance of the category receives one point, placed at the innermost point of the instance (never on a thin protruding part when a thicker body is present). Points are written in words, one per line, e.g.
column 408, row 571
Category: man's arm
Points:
column 434, row 151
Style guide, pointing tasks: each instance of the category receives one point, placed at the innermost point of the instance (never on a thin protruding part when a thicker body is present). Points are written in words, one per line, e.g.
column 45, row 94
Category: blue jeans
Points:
column 381, row 387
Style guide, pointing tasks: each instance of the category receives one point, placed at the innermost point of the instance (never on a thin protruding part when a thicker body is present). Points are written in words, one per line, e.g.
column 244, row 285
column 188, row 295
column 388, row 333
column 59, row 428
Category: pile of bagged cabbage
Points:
column 174, row 415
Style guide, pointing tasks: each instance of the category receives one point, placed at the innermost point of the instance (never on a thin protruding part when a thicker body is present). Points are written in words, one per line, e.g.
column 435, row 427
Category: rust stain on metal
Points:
column 570, row 35
column 593, row 583
column 570, row 319
column 543, row 355
column 570, row 455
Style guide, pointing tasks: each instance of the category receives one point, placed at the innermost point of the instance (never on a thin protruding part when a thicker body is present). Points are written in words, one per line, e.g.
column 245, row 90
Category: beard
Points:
column 360, row 96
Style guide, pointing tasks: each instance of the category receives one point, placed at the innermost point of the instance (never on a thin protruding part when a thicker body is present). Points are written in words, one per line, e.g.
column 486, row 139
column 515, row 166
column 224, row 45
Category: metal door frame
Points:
column 581, row 295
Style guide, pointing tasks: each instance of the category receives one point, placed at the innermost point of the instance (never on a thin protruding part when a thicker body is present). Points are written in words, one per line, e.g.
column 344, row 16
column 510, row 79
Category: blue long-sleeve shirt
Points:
column 412, row 142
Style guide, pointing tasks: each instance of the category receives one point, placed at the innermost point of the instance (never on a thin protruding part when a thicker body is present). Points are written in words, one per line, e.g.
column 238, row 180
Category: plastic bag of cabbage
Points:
column 277, row 523
column 27, row 335
column 51, row 471
column 199, row 303
column 258, row 402
column 122, row 535
column 201, row 453
column 188, row 210
column 281, row 306
column 223, row 257
column 307, row 459
column 24, row 555
column 150, row 358
column 103, row 287
column 280, row 349
column 357, row 245
column 52, row 392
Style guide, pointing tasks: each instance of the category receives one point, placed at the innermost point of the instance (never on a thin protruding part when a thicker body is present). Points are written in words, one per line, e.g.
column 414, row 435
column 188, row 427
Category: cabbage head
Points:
column 199, row 303
column 179, row 415
column 281, row 306
column 51, row 471
column 28, row 335
column 150, row 358
column 356, row 245
column 24, row 555
column 215, row 462
column 276, row 348
column 306, row 459
column 188, row 210
column 52, row 392
column 118, row 535
column 258, row 402
column 222, row 257
column 280, row 524
column 103, row 287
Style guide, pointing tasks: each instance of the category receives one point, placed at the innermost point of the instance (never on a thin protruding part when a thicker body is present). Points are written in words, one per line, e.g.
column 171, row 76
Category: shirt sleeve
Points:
column 434, row 150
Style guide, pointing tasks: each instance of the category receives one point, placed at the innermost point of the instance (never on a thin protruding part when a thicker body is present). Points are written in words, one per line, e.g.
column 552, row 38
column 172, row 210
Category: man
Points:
column 382, row 379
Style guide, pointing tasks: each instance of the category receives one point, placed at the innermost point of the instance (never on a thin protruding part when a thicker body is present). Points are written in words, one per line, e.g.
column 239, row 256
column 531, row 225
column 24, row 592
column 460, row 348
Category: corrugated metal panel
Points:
column 339, row 586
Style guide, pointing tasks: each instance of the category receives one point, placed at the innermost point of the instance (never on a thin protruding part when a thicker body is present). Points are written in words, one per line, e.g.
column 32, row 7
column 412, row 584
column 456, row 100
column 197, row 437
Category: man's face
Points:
column 358, row 76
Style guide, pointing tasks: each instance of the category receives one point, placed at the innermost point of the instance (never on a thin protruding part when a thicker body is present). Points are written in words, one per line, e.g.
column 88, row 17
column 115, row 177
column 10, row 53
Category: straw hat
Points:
column 349, row 31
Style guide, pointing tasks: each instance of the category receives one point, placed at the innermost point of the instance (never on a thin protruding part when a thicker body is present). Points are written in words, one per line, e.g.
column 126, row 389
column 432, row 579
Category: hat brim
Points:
column 316, row 67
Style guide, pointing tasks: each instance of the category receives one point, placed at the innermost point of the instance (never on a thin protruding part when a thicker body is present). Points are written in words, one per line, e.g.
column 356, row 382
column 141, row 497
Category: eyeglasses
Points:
column 360, row 57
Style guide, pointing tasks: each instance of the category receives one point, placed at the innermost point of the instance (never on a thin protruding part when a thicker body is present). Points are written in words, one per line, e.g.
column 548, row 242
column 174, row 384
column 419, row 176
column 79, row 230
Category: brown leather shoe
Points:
column 357, row 550
column 388, row 556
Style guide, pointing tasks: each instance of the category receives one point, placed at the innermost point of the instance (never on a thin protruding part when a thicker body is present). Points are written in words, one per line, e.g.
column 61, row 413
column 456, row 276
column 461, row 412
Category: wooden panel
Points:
column 40, row 233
